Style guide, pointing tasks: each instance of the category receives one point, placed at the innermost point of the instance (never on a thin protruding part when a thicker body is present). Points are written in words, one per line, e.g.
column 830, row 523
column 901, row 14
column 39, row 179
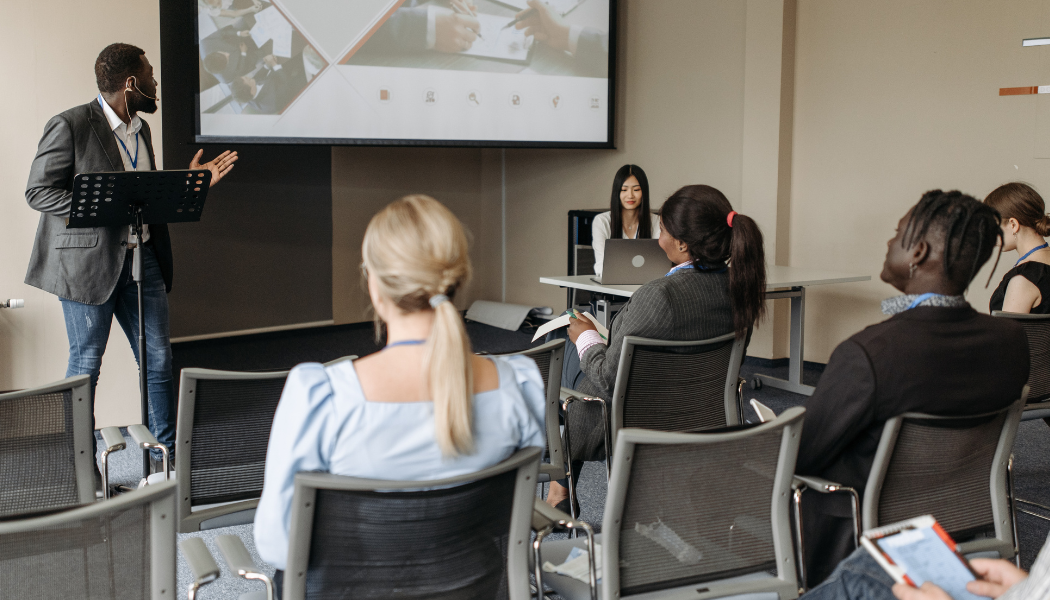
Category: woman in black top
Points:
column 1024, row 225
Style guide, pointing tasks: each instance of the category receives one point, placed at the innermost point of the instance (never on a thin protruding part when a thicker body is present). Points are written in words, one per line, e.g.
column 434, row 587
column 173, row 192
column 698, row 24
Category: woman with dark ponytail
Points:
column 717, row 286
column 1026, row 287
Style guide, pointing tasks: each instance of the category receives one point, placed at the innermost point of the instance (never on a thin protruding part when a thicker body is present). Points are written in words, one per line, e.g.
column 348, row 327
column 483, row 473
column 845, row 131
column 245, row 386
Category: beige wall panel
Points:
column 679, row 116
column 364, row 180
column 51, row 50
column 894, row 98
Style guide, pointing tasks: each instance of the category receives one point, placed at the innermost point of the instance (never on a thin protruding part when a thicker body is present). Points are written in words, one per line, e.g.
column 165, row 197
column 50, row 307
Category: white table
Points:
column 781, row 282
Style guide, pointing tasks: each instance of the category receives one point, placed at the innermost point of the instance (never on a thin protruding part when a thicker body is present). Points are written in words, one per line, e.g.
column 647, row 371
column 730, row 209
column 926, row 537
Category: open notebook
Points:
column 502, row 44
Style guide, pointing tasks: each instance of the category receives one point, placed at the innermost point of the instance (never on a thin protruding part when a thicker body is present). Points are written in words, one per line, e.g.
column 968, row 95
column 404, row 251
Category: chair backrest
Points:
column 548, row 358
column 46, row 462
column 954, row 468
column 677, row 386
column 461, row 537
column 222, row 434
column 1037, row 329
column 690, row 509
column 119, row 549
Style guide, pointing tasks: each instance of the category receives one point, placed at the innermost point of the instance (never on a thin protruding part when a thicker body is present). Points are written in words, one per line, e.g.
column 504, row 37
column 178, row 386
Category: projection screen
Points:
column 406, row 72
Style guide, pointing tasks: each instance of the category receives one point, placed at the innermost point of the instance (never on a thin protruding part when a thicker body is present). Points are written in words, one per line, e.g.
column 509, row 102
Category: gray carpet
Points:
column 1031, row 469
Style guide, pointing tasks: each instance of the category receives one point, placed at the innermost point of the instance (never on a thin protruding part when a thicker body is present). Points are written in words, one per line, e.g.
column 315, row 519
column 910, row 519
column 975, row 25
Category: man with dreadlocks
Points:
column 935, row 354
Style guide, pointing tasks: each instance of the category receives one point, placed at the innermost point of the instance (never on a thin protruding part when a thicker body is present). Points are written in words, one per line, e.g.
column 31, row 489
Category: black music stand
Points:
column 137, row 198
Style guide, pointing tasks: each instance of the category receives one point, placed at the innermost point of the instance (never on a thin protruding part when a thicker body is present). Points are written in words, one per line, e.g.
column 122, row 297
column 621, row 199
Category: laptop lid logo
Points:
column 638, row 260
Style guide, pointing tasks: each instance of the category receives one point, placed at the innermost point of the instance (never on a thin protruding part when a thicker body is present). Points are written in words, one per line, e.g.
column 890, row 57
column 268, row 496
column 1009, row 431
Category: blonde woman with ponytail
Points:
column 425, row 407
column 1026, row 287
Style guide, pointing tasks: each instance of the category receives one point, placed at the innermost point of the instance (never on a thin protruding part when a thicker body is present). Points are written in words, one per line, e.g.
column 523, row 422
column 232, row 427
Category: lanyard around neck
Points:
column 404, row 343
column 134, row 160
column 921, row 299
column 1029, row 253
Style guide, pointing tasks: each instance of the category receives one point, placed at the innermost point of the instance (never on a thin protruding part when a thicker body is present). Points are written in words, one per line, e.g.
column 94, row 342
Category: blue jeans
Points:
column 858, row 577
column 87, row 327
column 571, row 374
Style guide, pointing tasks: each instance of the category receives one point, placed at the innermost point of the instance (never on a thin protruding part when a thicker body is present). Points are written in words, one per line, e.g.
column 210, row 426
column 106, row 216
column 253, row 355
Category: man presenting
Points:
column 90, row 269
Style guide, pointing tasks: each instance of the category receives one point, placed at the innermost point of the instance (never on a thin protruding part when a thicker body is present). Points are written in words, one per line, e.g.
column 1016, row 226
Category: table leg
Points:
column 795, row 360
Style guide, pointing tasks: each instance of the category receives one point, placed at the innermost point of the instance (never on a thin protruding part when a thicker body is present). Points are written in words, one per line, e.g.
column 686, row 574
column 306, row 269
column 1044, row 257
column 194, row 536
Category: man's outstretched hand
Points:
column 219, row 166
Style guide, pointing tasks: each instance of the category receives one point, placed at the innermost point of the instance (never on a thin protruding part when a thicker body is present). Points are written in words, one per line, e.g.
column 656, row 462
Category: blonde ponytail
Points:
column 418, row 251
column 451, row 378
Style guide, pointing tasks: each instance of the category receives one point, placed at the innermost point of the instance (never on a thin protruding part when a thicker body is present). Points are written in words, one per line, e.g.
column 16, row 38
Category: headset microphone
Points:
column 136, row 86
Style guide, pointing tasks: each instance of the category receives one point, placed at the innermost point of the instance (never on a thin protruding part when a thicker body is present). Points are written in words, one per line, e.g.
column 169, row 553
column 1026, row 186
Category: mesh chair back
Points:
column 951, row 467
column 677, row 386
column 690, row 509
column 548, row 358
column 464, row 538
column 1037, row 329
column 45, row 448
column 223, row 431
column 114, row 550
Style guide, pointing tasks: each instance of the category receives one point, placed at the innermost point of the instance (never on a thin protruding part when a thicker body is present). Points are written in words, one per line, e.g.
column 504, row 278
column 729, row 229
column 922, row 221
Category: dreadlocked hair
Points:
column 967, row 228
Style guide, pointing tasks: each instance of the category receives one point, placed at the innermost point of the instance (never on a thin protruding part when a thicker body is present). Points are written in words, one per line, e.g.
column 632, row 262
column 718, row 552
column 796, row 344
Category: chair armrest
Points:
column 112, row 439
column 818, row 484
column 240, row 562
column 545, row 515
column 142, row 436
column 202, row 564
column 145, row 440
column 544, row 519
column 235, row 554
column 565, row 393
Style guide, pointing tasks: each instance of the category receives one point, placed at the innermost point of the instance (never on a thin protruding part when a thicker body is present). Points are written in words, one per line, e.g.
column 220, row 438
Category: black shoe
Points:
column 563, row 506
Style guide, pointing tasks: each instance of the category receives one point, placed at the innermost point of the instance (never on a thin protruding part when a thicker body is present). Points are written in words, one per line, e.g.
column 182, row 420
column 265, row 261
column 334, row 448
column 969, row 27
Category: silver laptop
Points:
column 633, row 262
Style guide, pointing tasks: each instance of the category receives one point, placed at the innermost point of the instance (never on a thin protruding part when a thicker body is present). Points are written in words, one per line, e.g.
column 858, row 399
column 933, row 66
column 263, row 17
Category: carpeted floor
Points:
column 285, row 349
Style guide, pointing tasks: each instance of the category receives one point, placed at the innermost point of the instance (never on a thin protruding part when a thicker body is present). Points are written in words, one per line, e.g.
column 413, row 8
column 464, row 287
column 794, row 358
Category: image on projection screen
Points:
column 404, row 70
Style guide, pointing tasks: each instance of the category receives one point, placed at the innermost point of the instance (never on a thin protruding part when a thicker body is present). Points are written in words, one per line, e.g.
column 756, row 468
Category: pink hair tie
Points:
column 729, row 217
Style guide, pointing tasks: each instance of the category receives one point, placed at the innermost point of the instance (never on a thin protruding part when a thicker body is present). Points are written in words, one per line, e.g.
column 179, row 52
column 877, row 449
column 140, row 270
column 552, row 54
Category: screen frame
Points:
column 608, row 144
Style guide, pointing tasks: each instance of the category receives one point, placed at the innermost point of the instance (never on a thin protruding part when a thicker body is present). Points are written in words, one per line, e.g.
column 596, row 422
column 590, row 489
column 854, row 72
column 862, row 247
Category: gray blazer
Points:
column 690, row 305
column 81, row 264
column 687, row 305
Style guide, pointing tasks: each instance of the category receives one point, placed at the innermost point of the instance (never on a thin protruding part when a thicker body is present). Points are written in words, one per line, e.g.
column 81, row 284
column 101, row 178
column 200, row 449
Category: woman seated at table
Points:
column 630, row 201
column 700, row 298
column 425, row 407
column 1026, row 287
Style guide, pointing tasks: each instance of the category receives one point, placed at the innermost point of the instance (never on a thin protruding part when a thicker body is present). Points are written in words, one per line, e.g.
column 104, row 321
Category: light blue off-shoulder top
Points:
column 325, row 423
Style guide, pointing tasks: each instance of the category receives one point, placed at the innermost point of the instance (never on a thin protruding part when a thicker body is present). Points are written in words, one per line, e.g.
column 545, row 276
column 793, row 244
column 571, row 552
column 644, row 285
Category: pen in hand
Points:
column 525, row 15
column 465, row 10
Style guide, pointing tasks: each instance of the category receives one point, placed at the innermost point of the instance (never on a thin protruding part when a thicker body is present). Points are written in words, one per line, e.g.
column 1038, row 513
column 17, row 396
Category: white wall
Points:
column 50, row 51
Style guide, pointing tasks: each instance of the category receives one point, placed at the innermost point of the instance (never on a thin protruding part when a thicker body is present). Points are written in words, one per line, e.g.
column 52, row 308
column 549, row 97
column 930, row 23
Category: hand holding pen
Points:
column 462, row 8
column 545, row 26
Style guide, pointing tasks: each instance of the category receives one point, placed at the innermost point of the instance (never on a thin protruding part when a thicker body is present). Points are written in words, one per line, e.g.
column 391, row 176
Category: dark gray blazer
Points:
column 688, row 305
column 81, row 264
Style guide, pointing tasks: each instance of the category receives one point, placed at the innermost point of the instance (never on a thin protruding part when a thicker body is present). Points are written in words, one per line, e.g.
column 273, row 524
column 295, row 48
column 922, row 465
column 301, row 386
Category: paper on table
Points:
column 563, row 321
column 495, row 42
column 271, row 24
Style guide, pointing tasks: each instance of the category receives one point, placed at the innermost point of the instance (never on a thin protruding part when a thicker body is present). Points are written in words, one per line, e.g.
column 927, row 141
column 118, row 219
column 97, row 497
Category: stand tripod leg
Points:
column 136, row 275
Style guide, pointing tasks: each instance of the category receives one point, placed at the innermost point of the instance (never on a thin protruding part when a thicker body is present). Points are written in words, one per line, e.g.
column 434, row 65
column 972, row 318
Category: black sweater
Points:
column 941, row 361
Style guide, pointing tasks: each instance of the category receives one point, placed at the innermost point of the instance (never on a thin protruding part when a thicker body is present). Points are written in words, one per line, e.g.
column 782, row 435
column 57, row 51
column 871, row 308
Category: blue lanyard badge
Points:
column 1029, row 253
column 135, row 160
column 921, row 299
